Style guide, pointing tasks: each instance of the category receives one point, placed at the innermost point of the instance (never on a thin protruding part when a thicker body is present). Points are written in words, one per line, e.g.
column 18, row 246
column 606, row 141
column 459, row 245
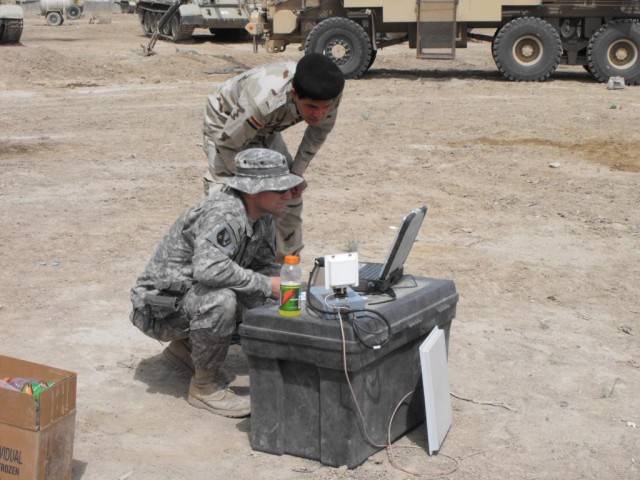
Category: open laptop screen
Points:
column 405, row 236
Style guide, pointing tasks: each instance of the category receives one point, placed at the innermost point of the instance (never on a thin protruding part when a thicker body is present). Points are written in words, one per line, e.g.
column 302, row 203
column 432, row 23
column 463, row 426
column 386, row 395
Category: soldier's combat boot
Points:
column 178, row 352
column 208, row 392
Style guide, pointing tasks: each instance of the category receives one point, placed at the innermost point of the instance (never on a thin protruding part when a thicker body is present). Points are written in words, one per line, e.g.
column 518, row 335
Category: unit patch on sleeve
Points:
column 224, row 238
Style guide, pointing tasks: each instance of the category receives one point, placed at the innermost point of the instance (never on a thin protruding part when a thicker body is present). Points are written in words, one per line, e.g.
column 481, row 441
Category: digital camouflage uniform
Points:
column 216, row 260
column 249, row 111
column 213, row 262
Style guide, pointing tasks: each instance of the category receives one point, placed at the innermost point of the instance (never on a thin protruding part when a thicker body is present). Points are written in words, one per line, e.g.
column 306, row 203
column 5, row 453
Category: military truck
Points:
column 224, row 18
column 11, row 21
column 530, row 38
column 54, row 11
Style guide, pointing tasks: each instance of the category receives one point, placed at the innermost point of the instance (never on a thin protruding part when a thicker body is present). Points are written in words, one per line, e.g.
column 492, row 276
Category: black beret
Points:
column 317, row 78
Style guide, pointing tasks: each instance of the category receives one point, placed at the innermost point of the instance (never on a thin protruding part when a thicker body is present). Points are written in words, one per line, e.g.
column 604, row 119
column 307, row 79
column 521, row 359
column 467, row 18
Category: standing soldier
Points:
column 251, row 110
column 217, row 259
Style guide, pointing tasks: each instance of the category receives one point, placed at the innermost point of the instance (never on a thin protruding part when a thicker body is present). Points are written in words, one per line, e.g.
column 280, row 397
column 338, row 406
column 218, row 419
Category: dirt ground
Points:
column 533, row 194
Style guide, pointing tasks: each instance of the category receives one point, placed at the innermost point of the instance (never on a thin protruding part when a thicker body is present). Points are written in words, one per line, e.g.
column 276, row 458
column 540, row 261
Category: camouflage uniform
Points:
column 213, row 262
column 251, row 110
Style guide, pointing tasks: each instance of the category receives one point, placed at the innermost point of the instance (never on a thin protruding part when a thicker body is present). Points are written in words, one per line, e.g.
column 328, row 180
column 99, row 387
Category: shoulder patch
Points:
column 224, row 238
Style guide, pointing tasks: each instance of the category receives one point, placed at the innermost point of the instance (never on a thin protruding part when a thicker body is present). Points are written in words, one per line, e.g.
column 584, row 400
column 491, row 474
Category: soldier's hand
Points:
column 275, row 287
column 296, row 192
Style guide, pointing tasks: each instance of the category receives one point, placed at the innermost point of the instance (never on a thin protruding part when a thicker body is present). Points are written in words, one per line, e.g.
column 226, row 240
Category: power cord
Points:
column 359, row 325
column 388, row 445
column 357, row 329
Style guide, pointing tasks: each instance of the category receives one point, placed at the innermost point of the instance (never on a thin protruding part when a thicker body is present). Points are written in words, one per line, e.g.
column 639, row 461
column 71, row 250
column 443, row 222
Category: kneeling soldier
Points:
column 217, row 259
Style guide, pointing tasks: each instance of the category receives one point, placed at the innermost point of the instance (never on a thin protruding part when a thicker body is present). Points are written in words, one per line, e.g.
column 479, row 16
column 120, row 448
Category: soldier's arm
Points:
column 214, row 248
column 265, row 260
column 239, row 127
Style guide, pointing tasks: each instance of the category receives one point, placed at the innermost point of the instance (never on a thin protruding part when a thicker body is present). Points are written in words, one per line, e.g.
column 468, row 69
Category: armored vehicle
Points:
column 225, row 18
column 11, row 21
column 531, row 37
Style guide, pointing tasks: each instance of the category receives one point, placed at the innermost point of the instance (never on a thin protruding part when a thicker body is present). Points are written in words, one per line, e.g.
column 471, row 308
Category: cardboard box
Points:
column 37, row 443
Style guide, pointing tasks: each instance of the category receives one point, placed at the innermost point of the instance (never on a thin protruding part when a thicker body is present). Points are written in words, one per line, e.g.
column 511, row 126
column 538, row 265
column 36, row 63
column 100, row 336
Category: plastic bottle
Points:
column 8, row 386
column 31, row 386
column 36, row 388
column 290, row 284
column 20, row 383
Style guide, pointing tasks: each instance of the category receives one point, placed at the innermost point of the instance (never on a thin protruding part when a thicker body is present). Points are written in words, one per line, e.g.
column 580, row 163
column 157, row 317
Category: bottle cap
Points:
column 291, row 259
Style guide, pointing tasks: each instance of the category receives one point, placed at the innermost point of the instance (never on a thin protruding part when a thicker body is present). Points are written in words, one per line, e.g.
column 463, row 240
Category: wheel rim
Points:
column 339, row 50
column 54, row 19
column 344, row 42
column 567, row 30
column 527, row 50
column 623, row 54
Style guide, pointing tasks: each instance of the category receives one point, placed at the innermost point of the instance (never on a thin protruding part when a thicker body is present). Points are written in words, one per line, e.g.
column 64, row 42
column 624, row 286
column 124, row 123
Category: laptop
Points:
column 380, row 277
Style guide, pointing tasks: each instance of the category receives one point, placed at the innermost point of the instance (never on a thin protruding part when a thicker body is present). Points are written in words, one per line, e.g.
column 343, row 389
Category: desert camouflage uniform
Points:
column 249, row 111
column 223, row 262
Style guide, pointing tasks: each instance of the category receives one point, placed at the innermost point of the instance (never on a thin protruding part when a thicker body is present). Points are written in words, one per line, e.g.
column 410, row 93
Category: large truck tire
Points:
column 74, row 12
column 527, row 49
column 614, row 51
column 10, row 30
column 54, row 19
column 343, row 41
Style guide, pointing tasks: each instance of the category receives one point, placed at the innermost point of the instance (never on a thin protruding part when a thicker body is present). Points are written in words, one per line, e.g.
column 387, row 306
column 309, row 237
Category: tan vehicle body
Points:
column 531, row 37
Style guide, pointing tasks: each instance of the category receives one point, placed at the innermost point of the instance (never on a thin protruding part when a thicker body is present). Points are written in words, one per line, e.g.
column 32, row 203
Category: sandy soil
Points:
column 533, row 194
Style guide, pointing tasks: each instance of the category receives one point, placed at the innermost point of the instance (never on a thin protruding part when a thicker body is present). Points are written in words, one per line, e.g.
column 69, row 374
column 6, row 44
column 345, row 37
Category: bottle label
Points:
column 290, row 299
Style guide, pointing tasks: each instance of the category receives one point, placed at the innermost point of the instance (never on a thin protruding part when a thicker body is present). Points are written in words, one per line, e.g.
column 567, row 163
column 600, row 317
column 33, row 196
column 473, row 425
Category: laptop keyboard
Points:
column 371, row 271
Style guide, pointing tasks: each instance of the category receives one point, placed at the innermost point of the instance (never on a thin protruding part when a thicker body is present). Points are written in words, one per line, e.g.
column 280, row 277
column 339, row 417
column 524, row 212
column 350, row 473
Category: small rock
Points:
column 554, row 165
column 615, row 83
column 626, row 329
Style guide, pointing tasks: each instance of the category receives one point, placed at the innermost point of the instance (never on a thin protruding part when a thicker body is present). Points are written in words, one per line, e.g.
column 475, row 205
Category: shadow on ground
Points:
column 162, row 377
column 462, row 74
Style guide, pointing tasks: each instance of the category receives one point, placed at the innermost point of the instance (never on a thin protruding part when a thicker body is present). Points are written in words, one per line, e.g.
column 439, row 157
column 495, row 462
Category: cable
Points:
column 357, row 326
column 353, row 393
column 407, row 276
column 364, row 428
column 357, row 329
column 319, row 262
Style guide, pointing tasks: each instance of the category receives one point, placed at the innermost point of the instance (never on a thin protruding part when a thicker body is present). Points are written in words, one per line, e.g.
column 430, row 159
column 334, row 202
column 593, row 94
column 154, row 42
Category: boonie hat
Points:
column 261, row 169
